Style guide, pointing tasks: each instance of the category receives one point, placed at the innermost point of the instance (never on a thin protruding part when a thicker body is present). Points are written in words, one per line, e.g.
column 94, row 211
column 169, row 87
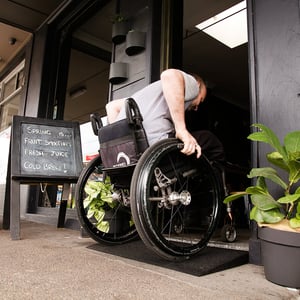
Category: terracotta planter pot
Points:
column 118, row 72
column 281, row 256
column 135, row 42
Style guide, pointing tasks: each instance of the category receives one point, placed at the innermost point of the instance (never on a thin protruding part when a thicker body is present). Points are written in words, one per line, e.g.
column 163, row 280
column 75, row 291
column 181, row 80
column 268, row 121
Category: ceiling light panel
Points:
column 229, row 27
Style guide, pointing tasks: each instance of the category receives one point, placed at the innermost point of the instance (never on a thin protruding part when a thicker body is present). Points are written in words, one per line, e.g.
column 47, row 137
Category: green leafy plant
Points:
column 98, row 202
column 267, row 209
column 118, row 18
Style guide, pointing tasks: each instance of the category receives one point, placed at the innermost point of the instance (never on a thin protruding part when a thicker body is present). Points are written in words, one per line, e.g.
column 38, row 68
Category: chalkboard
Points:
column 45, row 150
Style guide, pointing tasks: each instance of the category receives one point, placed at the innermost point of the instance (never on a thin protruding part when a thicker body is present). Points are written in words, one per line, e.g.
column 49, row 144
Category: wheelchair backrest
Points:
column 122, row 142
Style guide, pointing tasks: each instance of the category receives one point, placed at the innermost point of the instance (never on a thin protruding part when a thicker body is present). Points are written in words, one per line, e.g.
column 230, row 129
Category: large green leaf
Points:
column 269, row 173
column 266, row 135
column 234, row 196
column 256, row 190
column 90, row 214
column 261, row 183
column 255, row 214
column 264, row 201
column 295, row 223
column 99, row 215
column 292, row 142
column 272, row 216
column 87, row 201
column 89, row 189
column 276, row 159
column 294, row 175
column 289, row 198
column 92, row 184
column 294, row 156
column 103, row 226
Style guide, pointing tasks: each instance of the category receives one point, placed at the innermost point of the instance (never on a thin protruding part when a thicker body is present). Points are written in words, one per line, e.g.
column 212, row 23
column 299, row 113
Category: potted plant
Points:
column 119, row 29
column 102, row 210
column 278, row 212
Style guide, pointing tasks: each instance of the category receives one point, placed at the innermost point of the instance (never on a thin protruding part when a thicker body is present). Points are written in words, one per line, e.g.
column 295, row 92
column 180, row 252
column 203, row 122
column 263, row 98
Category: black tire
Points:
column 179, row 231
column 117, row 234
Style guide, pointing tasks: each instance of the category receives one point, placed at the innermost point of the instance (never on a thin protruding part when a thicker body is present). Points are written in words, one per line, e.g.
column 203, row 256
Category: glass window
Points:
column 9, row 87
column 10, row 95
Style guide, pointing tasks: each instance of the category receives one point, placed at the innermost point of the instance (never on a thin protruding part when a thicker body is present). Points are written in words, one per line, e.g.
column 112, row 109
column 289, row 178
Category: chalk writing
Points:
column 46, row 149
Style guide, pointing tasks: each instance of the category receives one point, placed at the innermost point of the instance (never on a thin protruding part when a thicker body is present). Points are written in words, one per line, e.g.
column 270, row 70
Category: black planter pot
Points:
column 135, row 42
column 119, row 31
column 118, row 72
column 281, row 256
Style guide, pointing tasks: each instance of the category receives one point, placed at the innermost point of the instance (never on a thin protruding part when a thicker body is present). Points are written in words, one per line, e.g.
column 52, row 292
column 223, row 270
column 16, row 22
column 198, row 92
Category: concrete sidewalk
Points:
column 51, row 263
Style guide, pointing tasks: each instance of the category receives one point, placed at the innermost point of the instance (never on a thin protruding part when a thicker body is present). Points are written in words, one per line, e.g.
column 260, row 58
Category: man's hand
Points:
column 190, row 144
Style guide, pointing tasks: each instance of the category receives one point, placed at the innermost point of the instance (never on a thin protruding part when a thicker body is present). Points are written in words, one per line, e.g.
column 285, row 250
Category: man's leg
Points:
column 211, row 146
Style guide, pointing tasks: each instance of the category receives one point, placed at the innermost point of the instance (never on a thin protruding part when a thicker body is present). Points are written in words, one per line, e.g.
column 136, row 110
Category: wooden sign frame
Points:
column 41, row 151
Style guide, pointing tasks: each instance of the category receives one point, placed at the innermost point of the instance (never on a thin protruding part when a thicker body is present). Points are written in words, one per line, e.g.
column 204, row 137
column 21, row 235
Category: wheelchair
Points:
column 171, row 201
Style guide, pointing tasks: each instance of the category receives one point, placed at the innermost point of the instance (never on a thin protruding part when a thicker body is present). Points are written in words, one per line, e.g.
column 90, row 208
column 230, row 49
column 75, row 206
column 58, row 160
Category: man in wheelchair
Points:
column 163, row 104
column 168, row 192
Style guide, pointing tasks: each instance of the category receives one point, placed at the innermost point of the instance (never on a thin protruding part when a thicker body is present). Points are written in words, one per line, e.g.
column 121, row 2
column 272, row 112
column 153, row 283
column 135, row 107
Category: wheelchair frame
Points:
column 170, row 200
column 175, row 215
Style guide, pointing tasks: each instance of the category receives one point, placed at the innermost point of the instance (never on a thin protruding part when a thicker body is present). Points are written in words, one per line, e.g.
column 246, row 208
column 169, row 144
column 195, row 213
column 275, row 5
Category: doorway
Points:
column 226, row 110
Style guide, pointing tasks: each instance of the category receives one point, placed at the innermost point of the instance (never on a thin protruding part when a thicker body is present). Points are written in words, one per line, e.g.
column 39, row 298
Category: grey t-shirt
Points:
column 154, row 108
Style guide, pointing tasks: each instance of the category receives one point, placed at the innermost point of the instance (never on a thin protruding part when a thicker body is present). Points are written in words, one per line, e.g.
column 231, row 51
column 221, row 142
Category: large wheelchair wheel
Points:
column 175, row 200
column 101, row 212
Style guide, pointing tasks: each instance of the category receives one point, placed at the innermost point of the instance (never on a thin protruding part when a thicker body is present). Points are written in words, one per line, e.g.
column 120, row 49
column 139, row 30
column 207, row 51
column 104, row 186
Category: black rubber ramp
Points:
column 209, row 260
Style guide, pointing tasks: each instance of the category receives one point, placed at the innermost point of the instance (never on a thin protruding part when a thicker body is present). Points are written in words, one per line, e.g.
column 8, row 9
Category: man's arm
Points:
column 113, row 108
column 173, row 86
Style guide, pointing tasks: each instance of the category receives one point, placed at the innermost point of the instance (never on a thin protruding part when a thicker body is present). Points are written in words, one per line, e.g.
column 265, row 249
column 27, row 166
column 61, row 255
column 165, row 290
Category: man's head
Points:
column 202, row 93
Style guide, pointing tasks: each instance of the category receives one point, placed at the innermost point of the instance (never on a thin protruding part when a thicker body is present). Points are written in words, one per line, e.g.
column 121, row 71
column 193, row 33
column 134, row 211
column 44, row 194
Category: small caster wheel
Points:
column 178, row 228
column 228, row 233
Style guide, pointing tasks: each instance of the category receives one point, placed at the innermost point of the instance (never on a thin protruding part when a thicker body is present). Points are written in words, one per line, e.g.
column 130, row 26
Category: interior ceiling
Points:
column 225, row 69
column 19, row 19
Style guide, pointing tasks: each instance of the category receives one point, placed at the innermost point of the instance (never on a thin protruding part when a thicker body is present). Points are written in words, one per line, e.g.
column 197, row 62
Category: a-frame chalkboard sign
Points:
column 45, row 149
column 42, row 151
